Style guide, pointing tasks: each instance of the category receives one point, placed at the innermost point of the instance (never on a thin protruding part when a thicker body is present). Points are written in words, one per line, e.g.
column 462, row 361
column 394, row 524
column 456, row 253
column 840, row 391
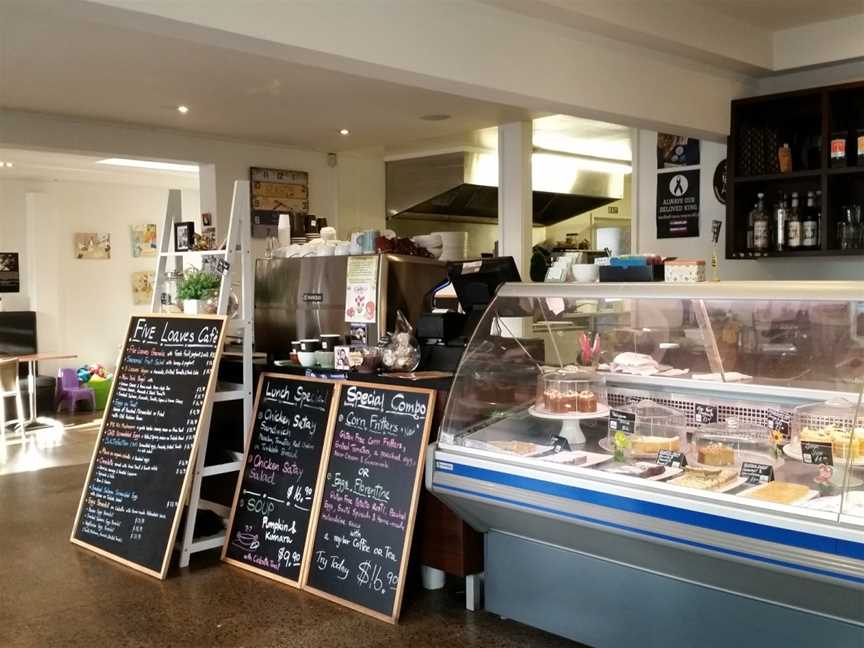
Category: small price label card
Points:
column 222, row 266
column 780, row 422
column 815, row 452
column 705, row 414
column 620, row 421
column 756, row 473
column 671, row 458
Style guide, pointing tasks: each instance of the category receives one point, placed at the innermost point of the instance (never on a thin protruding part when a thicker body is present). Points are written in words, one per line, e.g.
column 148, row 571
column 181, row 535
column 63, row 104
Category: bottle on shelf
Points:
column 793, row 225
column 784, row 157
column 750, row 218
column 761, row 226
column 838, row 149
column 781, row 214
column 859, row 140
column 810, row 224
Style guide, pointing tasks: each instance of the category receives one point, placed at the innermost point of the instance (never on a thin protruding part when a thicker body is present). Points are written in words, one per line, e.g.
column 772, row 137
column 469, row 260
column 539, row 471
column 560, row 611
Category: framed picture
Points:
column 142, row 287
column 184, row 236
column 10, row 281
column 91, row 245
column 206, row 219
column 143, row 240
column 342, row 358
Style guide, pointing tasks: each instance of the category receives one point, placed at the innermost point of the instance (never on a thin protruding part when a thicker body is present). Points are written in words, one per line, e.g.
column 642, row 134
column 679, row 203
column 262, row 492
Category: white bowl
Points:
column 584, row 272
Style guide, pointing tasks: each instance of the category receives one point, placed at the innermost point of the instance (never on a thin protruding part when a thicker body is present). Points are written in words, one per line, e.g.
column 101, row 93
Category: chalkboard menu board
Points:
column 365, row 514
column 273, row 504
column 136, row 485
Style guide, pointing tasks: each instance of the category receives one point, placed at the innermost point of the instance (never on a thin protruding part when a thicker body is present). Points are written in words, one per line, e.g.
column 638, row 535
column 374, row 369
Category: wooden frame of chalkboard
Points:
column 393, row 616
column 187, row 478
column 325, row 445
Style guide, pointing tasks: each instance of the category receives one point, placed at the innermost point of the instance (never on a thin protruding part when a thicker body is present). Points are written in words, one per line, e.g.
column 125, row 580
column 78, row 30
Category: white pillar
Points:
column 514, row 194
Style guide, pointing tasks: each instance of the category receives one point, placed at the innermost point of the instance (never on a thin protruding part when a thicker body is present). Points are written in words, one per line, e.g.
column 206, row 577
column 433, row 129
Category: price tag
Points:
column 780, row 421
column 620, row 421
column 705, row 414
column 814, row 452
column 222, row 266
column 671, row 458
column 756, row 473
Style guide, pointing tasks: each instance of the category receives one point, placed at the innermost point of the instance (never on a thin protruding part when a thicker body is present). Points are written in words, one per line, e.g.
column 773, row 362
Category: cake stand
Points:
column 838, row 474
column 571, row 429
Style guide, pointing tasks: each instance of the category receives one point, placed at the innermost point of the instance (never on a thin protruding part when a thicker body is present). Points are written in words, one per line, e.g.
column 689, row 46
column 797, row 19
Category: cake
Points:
column 716, row 454
column 778, row 492
column 559, row 402
column 651, row 445
column 641, row 469
column 844, row 444
column 705, row 478
column 586, row 401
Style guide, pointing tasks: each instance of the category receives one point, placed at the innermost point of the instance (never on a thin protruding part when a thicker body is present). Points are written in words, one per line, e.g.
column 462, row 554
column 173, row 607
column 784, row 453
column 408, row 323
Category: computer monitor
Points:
column 17, row 332
column 476, row 282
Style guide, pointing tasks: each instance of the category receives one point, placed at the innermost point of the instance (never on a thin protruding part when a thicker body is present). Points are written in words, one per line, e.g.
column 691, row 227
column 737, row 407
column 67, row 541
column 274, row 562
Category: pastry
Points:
column 705, row 478
column 651, row 445
column 641, row 469
column 843, row 443
column 717, row 454
column 559, row 402
column 586, row 401
column 778, row 492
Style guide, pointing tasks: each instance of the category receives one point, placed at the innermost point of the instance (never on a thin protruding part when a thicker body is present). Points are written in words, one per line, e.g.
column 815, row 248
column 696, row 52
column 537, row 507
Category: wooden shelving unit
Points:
column 806, row 120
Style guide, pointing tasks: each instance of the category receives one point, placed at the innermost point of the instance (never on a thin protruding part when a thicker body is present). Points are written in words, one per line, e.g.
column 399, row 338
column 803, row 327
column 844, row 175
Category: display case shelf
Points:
column 780, row 177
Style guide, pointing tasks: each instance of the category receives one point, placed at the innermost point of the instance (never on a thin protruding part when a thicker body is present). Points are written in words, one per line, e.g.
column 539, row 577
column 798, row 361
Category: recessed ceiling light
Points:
column 182, row 109
column 435, row 117
column 8, row 165
column 150, row 164
column 344, row 131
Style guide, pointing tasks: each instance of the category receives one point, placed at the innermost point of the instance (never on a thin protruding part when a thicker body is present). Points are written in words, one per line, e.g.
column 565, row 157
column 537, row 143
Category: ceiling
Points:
column 775, row 15
column 62, row 167
column 51, row 62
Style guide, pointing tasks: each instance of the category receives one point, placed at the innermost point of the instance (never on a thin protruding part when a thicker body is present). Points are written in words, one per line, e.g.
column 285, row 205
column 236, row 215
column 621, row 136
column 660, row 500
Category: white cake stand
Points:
column 571, row 429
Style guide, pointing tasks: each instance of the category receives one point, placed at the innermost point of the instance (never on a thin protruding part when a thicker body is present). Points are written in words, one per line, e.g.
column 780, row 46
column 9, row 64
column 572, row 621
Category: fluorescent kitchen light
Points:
column 150, row 164
column 183, row 109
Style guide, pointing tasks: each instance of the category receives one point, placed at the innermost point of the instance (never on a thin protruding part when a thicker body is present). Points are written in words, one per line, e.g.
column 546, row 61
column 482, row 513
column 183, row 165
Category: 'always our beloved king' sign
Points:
column 365, row 514
column 139, row 474
column 275, row 495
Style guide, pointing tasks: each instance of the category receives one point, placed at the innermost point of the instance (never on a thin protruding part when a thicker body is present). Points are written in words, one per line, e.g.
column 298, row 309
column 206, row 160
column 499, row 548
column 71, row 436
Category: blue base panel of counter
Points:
column 609, row 605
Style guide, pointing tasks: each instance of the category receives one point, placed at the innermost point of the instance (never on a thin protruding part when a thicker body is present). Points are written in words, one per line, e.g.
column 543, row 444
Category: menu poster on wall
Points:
column 140, row 470
column 272, row 507
column 361, row 289
column 676, row 151
column 10, row 279
column 365, row 516
column 274, row 192
column 678, row 204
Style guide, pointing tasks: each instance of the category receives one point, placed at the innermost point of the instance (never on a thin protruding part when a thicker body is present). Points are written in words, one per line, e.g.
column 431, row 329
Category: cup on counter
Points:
column 366, row 241
column 328, row 233
column 307, row 358
column 585, row 272
column 324, row 359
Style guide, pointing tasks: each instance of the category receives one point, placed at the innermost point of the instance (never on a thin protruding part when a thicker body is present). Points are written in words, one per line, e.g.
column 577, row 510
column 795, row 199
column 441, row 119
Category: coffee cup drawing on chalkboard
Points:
column 246, row 541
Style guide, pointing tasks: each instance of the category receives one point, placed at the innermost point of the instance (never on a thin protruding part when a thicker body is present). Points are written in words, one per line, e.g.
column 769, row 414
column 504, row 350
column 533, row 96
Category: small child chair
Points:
column 69, row 391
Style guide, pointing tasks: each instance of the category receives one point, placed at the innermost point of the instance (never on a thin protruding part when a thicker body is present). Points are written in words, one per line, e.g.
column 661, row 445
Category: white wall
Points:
column 83, row 305
column 812, row 268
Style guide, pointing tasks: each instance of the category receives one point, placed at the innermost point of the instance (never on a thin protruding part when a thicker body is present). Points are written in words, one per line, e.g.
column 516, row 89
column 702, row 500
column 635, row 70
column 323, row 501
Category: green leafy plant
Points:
column 198, row 284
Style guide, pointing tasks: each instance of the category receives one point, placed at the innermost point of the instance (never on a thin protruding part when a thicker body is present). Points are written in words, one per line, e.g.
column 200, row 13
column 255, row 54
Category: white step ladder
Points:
column 237, row 255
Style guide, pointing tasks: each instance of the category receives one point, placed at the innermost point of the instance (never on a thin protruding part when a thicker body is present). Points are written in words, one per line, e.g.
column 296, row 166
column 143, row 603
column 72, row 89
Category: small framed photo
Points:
column 184, row 236
column 342, row 358
column 206, row 219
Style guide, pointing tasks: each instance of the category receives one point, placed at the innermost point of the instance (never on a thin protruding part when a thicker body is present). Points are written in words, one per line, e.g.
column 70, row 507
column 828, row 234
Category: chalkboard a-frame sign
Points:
column 139, row 474
column 268, row 532
column 365, row 510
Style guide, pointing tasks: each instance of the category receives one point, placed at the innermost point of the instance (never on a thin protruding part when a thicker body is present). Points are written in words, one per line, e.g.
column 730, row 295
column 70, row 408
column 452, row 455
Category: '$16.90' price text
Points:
column 372, row 576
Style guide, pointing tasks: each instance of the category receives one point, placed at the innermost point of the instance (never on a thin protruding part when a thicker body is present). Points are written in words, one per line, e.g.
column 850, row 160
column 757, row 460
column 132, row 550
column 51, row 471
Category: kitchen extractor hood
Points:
column 462, row 186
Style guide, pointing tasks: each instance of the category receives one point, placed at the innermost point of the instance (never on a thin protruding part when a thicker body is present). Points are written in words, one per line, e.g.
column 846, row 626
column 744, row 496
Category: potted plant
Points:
column 196, row 287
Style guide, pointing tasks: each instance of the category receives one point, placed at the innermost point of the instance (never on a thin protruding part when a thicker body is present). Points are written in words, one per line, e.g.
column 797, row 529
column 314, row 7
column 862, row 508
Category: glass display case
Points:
column 728, row 423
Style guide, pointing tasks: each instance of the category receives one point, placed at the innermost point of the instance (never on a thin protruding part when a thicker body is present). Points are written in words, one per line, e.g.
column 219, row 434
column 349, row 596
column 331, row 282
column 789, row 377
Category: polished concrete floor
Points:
column 54, row 594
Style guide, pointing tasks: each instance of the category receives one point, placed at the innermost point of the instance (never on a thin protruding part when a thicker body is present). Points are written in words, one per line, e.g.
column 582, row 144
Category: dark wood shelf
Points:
column 792, row 175
column 848, row 170
column 747, row 256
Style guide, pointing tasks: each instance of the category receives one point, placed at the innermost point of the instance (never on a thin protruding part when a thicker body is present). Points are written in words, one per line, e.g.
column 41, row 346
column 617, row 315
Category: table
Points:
column 31, row 360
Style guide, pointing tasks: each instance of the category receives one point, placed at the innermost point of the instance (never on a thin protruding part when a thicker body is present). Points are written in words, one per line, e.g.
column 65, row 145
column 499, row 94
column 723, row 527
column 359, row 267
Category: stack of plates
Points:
column 454, row 245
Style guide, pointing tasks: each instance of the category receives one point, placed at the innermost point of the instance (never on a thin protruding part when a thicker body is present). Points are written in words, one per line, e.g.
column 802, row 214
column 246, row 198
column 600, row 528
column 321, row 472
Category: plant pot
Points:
column 193, row 306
